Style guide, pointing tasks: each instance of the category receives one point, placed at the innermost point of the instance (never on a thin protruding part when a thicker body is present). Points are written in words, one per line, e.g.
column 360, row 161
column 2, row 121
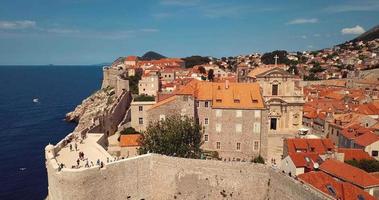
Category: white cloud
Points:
column 356, row 30
column 303, row 21
column 11, row 25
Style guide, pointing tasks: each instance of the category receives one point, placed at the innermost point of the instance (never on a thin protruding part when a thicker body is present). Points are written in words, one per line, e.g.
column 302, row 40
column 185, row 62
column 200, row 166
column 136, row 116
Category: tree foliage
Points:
column 127, row 131
column 196, row 60
column 210, row 75
column 144, row 97
column 268, row 58
column 175, row 136
column 366, row 165
column 133, row 82
column 202, row 70
column 258, row 159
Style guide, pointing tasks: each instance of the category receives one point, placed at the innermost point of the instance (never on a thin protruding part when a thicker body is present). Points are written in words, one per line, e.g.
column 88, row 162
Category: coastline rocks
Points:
column 92, row 108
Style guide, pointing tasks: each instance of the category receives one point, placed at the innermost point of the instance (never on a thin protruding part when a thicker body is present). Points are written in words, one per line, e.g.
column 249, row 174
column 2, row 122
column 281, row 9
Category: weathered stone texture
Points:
column 160, row 177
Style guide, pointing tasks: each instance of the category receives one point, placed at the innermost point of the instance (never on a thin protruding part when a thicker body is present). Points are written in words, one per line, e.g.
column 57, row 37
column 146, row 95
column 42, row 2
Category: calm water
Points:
column 27, row 127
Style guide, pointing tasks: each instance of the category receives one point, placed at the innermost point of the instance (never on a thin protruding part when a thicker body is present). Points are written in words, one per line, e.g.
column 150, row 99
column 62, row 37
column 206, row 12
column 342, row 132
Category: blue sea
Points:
column 27, row 127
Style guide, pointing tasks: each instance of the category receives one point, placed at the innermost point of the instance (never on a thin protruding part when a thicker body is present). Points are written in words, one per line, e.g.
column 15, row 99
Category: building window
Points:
column 140, row 120
column 206, row 121
column 256, row 146
column 206, row 138
column 218, row 113
column 274, row 90
column 218, row 128
column 257, row 127
column 206, row 104
column 374, row 153
column 162, row 117
column 218, row 145
column 238, row 146
column 273, row 123
column 238, row 128
column 140, row 108
column 238, row 113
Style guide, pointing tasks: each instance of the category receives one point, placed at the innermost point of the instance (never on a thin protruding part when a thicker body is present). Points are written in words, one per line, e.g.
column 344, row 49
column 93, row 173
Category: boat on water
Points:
column 35, row 100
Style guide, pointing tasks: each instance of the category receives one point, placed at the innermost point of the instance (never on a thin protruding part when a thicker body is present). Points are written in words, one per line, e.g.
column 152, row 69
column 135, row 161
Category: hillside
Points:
column 151, row 55
column 371, row 34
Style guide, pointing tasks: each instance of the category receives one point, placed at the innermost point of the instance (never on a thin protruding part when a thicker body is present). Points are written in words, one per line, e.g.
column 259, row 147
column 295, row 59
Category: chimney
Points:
column 226, row 84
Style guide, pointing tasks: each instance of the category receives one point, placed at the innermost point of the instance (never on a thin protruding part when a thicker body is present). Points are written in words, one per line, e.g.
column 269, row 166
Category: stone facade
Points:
column 138, row 110
column 236, row 134
column 149, row 85
column 160, row 177
column 115, row 77
column 283, row 94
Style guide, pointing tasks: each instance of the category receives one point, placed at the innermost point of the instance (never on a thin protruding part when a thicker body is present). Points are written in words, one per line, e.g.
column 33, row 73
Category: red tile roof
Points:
column 320, row 146
column 306, row 160
column 354, row 154
column 131, row 58
column 349, row 173
column 334, row 188
column 366, row 139
column 130, row 140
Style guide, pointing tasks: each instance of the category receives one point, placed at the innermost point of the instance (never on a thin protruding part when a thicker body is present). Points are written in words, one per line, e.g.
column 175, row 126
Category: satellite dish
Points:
column 316, row 165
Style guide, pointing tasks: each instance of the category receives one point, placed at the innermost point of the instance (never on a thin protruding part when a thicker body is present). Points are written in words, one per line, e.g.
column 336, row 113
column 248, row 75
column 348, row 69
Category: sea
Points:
column 26, row 127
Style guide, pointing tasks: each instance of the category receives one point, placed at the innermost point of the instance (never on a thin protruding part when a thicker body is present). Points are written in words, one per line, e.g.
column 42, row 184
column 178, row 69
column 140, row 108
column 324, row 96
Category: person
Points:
column 87, row 165
column 92, row 164
column 101, row 164
column 98, row 162
column 107, row 159
column 70, row 147
column 76, row 147
column 77, row 162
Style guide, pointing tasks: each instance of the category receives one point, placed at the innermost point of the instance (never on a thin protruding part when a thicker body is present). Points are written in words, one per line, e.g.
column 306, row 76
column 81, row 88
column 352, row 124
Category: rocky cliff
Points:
column 92, row 107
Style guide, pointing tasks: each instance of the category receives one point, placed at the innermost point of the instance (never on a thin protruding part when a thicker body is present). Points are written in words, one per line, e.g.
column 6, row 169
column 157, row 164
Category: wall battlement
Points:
column 153, row 176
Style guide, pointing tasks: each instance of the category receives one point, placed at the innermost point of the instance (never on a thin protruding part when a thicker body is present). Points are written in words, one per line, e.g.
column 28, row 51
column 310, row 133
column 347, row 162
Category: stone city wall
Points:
column 155, row 176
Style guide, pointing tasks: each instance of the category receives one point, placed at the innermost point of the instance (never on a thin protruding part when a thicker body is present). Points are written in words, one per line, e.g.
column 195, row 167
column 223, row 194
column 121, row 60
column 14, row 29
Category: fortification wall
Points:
column 160, row 177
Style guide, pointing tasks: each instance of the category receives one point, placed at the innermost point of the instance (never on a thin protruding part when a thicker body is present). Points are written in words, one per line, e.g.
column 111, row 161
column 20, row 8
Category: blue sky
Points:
column 96, row 31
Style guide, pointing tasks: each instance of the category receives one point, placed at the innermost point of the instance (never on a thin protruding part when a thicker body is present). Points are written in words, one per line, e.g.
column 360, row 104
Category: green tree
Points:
column 366, row 165
column 258, row 159
column 133, row 82
column 175, row 136
column 210, row 75
column 127, row 131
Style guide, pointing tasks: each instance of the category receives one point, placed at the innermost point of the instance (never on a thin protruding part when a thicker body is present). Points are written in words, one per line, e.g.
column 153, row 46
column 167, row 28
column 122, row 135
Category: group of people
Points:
column 75, row 146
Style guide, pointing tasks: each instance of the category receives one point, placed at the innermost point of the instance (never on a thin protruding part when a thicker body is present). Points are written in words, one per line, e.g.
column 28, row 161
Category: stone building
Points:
column 233, row 116
column 283, row 95
column 138, row 114
column 149, row 84
column 115, row 77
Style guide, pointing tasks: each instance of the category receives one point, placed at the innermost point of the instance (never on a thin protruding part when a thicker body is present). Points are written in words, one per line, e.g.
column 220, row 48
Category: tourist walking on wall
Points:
column 70, row 147
column 76, row 147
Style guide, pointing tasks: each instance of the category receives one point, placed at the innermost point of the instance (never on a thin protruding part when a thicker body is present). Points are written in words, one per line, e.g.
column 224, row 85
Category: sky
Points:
column 83, row 32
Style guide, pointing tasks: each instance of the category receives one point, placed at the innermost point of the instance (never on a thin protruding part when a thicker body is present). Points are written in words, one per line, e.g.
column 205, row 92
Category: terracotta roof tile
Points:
column 349, row 173
column 334, row 188
column 130, row 140
column 366, row 139
column 354, row 154
column 319, row 146
column 223, row 95
column 306, row 160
